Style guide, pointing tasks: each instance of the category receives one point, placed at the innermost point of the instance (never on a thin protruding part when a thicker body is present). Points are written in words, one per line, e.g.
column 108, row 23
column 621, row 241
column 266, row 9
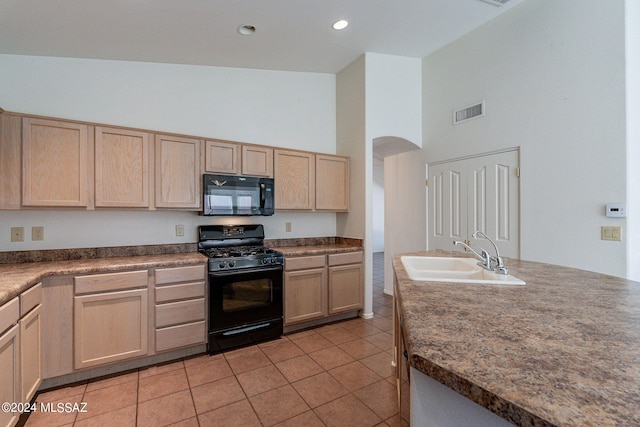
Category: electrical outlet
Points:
column 179, row 230
column 17, row 234
column 287, row 227
column 37, row 233
column 610, row 233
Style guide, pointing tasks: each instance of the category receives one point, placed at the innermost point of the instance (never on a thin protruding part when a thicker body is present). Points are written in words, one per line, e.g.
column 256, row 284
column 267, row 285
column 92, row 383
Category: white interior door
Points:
column 476, row 193
column 447, row 204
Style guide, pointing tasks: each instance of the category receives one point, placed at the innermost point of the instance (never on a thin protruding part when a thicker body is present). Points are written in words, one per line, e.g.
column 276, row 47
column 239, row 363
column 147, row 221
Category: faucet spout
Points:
column 485, row 257
column 499, row 267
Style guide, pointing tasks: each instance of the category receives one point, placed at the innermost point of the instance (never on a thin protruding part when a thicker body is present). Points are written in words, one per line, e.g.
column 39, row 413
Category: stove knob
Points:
column 222, row 264
column 273, row 261
column 232, row 264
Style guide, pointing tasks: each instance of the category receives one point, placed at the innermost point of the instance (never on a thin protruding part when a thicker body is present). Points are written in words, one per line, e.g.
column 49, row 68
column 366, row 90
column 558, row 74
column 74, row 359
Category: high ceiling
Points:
column 293, row 35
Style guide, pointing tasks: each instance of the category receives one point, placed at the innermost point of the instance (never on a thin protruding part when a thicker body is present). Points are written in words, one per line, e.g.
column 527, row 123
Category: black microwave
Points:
column 237, row 195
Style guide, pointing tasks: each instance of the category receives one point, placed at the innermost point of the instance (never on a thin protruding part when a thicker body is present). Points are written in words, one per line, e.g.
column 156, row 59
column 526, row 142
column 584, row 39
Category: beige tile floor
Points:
column 334, row 375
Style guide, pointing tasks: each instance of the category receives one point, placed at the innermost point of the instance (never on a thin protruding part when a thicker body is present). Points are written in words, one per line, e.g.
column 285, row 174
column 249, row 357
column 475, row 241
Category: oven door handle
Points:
column 224, row 273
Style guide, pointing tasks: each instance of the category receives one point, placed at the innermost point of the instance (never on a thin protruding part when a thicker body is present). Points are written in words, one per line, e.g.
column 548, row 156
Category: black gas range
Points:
column 245, row 286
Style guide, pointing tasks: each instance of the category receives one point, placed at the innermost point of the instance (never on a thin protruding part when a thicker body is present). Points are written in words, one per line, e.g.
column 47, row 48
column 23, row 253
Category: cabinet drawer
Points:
column 345, row 258
column 9, row 314
column 111, row 282
column 180, row 336
column 179, row 292
column 304, row 262
column 30, row 298
column 190, row 273
column 175, row 313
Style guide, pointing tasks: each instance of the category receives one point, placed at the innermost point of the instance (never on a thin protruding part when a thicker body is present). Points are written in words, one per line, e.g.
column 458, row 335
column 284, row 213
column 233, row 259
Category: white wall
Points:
column 394, row 99
column 378, row 205
column 632, row 26
column 284, row 109
column 552, row 74
column 351, row 141
column 405, row 208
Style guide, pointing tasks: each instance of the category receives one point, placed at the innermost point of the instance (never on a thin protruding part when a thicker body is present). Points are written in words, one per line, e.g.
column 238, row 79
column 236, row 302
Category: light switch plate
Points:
column 179, row 230
column 610, row 233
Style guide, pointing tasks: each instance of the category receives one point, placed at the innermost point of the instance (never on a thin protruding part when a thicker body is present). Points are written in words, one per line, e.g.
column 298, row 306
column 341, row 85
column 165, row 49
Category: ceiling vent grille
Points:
column 496, row 2
column 468, row 113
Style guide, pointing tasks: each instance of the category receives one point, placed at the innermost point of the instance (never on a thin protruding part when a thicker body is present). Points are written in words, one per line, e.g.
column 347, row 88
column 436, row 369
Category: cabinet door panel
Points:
column 305, row 295
column 222, row 157
column 345, row 288
column 332, row 183
column 30, row 350
column 122, row 168
column 110, row 327
column 294, row 180
column 178, row 172
column 257, row 161
column 10, row 166
column 55, row 163
column 10, row 373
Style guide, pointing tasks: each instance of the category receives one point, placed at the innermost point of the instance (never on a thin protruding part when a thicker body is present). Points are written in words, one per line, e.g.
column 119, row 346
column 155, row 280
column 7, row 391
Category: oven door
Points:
column 242, row 297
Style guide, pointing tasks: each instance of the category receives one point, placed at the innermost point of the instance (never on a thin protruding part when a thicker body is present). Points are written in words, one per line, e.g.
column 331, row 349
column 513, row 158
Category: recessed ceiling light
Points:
column 246, row 30
column 341, row 24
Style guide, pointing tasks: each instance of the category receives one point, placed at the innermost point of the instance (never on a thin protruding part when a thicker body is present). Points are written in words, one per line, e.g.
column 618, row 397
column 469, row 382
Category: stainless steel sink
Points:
column 454, row 270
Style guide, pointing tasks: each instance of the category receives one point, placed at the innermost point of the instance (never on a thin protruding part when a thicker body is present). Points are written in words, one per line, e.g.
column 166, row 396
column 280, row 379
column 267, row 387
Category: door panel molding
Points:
column 479, row 192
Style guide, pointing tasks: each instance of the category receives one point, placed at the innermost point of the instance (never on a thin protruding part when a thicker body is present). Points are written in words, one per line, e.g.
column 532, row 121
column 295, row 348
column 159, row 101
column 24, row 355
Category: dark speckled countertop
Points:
column 18, row 277
column 315, row 246
column 21, row 270
column 563, row 350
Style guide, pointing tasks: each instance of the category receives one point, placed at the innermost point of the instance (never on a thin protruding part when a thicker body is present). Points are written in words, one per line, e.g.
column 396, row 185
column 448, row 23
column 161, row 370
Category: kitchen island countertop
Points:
column 563, row 350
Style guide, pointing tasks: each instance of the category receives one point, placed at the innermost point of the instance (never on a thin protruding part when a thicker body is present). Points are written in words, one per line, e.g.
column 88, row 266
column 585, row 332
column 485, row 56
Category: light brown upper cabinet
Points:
column 257, row 161
column 332, row 183
column 231, row 158
column 122, row 168
column 55, row 159
column 222, row 157
column 178, row 172
column 10, row 146
column 294, row 176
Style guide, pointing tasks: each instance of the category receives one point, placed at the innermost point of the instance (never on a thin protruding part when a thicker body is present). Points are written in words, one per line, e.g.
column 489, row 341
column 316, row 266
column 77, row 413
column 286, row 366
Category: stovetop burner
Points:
column 236, row 251
column 236, row 247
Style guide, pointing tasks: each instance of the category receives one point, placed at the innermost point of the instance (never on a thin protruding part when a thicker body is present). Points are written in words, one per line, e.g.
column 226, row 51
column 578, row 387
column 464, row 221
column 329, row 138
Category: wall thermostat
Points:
column 616, row 210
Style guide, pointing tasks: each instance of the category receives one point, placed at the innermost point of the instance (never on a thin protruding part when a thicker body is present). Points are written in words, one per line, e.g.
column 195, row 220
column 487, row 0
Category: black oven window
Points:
column 237, row 296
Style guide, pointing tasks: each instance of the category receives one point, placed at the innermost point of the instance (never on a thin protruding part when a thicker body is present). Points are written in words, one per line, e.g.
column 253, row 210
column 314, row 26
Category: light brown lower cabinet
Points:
column 30, row 342
column 180, row 307
column 305, row 295
column 322, row 285
column 346, row 282
column 20, row 344
column 110, row 324
column 9, row 359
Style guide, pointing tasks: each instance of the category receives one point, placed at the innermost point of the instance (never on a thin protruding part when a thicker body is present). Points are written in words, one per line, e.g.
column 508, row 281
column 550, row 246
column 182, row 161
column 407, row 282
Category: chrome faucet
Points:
column 485, row 257
column 498, row 265
column 488, row 262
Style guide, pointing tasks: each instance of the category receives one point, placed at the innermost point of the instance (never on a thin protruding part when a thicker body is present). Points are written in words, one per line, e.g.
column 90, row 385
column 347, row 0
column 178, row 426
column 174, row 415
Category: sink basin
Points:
column 455, row 270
